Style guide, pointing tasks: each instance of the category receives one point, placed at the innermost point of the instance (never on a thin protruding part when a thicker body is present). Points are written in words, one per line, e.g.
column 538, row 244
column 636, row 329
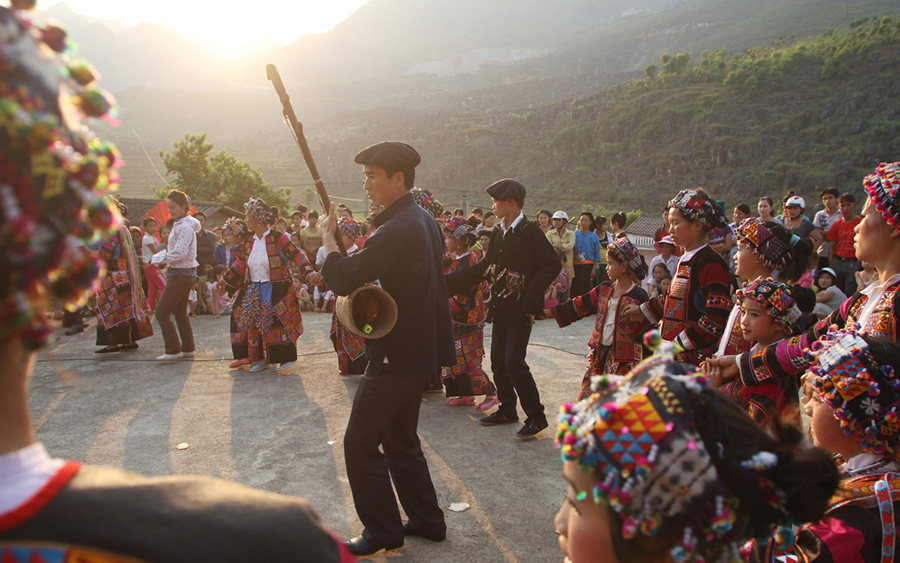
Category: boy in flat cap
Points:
column 405, row 254
column 519, row 266
column 53, row 181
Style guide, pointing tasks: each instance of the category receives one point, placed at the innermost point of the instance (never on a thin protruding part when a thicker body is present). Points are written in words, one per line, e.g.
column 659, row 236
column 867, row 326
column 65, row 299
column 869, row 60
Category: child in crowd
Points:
column 193, row 299
column 866, row 276
column 221, row 304
column 302, row 291
column 695, row 309
column 658, row 272
column 615, row 342
column 662, row 468
column 853, row 405
column 829, row 296
column 664, row 283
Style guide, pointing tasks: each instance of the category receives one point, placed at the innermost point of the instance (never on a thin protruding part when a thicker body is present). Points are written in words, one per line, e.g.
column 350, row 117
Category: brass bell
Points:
column 369, row 311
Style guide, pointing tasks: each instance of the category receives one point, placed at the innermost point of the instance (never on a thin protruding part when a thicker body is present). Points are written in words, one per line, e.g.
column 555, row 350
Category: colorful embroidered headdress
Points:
column 884, row 188
column 768, row 247
column 257, row 208
column 236, row 227
column 775, row 298
column 641, row 436
column 461, row 231
column 623, row 251
column 428, row 202
column 864, row 395
column 55, row 174
column 350, row 227
column 695, row 207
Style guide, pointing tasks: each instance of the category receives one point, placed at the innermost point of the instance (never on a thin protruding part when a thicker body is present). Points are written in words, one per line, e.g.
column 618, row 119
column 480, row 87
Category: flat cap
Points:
column 506, row 188
column 390, row 155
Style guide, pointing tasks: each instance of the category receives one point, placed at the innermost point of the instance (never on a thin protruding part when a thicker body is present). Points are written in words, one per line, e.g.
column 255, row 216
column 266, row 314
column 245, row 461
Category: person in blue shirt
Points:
column 586, row 255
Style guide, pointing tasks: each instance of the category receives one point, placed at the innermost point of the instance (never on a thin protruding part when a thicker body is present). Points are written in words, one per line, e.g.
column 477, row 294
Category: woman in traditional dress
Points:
column 122, row 310
column 466, row 379
column 267, row 314
column 350, row 347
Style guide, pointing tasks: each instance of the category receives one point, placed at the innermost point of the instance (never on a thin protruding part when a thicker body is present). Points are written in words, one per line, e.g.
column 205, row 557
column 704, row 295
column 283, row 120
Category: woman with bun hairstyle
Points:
column 662, row 468
column 180, row 258
column 617, row 224
column 615, row 342
column 853, row 406
column 266, row 309
column 696, row 307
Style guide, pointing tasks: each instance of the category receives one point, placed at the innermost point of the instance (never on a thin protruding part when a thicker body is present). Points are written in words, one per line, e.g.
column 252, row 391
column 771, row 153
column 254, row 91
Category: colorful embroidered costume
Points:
column 626, row 349
column 350, row 348
column 466, row 378
column 122, row 309
column 696, row 308
column 266, row 320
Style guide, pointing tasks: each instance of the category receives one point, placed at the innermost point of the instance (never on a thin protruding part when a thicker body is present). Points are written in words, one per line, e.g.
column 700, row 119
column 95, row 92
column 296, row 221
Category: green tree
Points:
column 221, row 177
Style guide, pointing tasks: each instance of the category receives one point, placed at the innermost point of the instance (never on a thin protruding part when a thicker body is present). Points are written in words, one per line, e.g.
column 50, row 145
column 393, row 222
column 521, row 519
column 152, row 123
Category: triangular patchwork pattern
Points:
column 847, row 380
column 645, row 428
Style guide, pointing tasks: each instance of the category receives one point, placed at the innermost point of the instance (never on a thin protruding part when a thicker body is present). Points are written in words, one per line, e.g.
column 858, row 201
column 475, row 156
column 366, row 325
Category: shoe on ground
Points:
column 286, row 366
column 107, row 351
column 497, row 418
column 360, row 546
column 531, row 428
column 129, row 347
column 410, row 529
column 239, row 363
column 258, row 367
column 488, row 403
column 461, row 401
column 169, row 357
column 188, row 354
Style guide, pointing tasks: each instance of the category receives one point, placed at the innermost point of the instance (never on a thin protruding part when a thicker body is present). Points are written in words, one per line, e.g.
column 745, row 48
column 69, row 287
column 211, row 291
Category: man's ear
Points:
column 400, row 177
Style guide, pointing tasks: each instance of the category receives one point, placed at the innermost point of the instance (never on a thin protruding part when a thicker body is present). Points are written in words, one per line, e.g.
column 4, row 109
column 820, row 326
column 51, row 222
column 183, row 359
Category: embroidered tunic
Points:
column 694, row 311
column 625, row 349
column 350, row 348
column 122, row 309
column 467, row 378
column 266, row 320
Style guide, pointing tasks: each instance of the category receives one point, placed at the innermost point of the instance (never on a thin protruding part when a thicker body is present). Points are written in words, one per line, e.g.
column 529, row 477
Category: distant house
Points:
column 641, row 233
column 216, row 213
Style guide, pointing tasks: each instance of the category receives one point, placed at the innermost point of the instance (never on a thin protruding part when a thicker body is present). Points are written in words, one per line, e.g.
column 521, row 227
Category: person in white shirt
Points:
column 156, row 283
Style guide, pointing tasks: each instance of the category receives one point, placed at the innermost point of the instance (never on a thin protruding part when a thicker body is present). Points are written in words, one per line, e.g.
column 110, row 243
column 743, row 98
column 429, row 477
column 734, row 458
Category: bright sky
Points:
column 227, row 24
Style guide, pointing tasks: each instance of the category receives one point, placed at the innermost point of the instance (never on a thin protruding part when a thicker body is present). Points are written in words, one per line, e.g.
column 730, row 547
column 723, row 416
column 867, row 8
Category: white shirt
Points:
column 506, row 229
column 874, row 293
column 258, row 261
column 609, row 322
column 23, row 474
column 181, row 248
column 146, row 252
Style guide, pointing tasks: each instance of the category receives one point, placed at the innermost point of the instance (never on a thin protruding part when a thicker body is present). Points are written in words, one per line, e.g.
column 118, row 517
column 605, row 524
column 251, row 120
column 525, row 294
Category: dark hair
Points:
column 619, row 219
column 599, row 221
column 798, row 252
column 171, row 222
column 520, row 201
column 200, row 213
column 147, row 220
column 302, row 208
column 545, row 212
column 477, row 210
column 768, row 199
column 473, row 222
column 135, row 231
column 487, row 214
column 297, row 214
column 220, row 269
column 409, row 176
column 457, row 211
column 805, row 298
column 590, row 216
column 178, row 197
column 743, row 208
column 830, row 190
column 313, row 214
column 848, row 197
column 821, row 272
column 447, row 213
column 485, row 233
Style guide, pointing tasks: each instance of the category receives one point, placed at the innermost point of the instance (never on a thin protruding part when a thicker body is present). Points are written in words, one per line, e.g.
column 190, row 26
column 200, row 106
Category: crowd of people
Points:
column 683, row 444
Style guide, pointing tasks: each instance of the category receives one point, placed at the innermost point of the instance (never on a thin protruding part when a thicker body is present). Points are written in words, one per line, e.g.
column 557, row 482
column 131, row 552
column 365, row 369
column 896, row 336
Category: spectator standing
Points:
column 842, row 254
column 206, row 242
column 563, row 241
column 765, row 207
column 796, row 222
column 601, row 227
column 311, row 236
column 617, row 224
column 156, row 283
column 545, row 220
column 298, row 220
column 487, row 223
column 586, row 254
column 666, row 256
column 824, row 219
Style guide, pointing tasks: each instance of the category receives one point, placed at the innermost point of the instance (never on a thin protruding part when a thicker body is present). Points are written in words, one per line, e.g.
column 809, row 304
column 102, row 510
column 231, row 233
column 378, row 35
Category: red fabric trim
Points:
column 844, row 542
column 43, row 497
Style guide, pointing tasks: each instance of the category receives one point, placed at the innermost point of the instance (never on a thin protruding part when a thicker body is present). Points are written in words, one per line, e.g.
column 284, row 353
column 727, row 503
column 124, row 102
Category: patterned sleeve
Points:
column 653, row 309
column 294, row 254
column 576, row 308
column 109, row 247
column 714, row 302
column 235, row 275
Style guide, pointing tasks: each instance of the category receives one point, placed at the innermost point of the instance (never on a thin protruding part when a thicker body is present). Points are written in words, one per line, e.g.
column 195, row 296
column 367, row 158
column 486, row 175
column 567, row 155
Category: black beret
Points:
column 506, row 188
column 390, row 155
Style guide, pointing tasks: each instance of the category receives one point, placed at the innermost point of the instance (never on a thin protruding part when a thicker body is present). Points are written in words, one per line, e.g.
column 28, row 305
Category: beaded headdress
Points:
column 428, row 202
column 461, row 231
column 771, row 250
column 640, row 437
column 698, row 208
column 884, row 188
column 864, row 395
column 258, row 209
column 55, row 174
column 623, row 251
column 236, row 227
column 350, row 227
column 775, row 298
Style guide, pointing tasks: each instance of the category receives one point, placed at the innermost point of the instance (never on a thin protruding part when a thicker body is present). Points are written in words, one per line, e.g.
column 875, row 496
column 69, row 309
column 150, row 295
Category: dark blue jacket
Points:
column 404, row 253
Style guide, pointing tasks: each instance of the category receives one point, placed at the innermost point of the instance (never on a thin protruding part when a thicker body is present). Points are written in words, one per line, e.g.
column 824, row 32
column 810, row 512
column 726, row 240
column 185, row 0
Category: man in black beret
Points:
column 519, row 265
column 404, row 253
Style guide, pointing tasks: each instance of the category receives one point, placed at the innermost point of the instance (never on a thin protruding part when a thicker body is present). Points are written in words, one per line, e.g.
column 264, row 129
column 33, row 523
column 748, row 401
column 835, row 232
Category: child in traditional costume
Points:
column 854, row 411
column 466, row 379
column 350, row 347
column 694, row 311
column 662, row 468
column 266, row 311
column 615, row 342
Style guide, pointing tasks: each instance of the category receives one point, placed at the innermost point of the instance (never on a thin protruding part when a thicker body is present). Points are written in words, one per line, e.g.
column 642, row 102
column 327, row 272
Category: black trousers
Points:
column 512, row 376
column 386, row 413
column 582, row 283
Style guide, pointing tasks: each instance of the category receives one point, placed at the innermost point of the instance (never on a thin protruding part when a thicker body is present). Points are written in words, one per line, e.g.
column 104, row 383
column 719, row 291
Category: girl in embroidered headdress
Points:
column 694, row 311
column 465, row 380
column 615, row 342
column 853, row 404
column 350, row 348
column 662, row 468
column 266, row 312
column 875, row 309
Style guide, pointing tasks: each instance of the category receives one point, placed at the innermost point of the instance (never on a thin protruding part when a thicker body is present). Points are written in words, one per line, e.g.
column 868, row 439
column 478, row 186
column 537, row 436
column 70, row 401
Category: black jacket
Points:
column 523, row 250
column 404, row 253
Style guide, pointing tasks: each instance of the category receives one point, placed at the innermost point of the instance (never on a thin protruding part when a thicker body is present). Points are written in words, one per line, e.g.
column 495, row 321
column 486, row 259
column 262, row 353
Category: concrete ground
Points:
column 284, row 433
